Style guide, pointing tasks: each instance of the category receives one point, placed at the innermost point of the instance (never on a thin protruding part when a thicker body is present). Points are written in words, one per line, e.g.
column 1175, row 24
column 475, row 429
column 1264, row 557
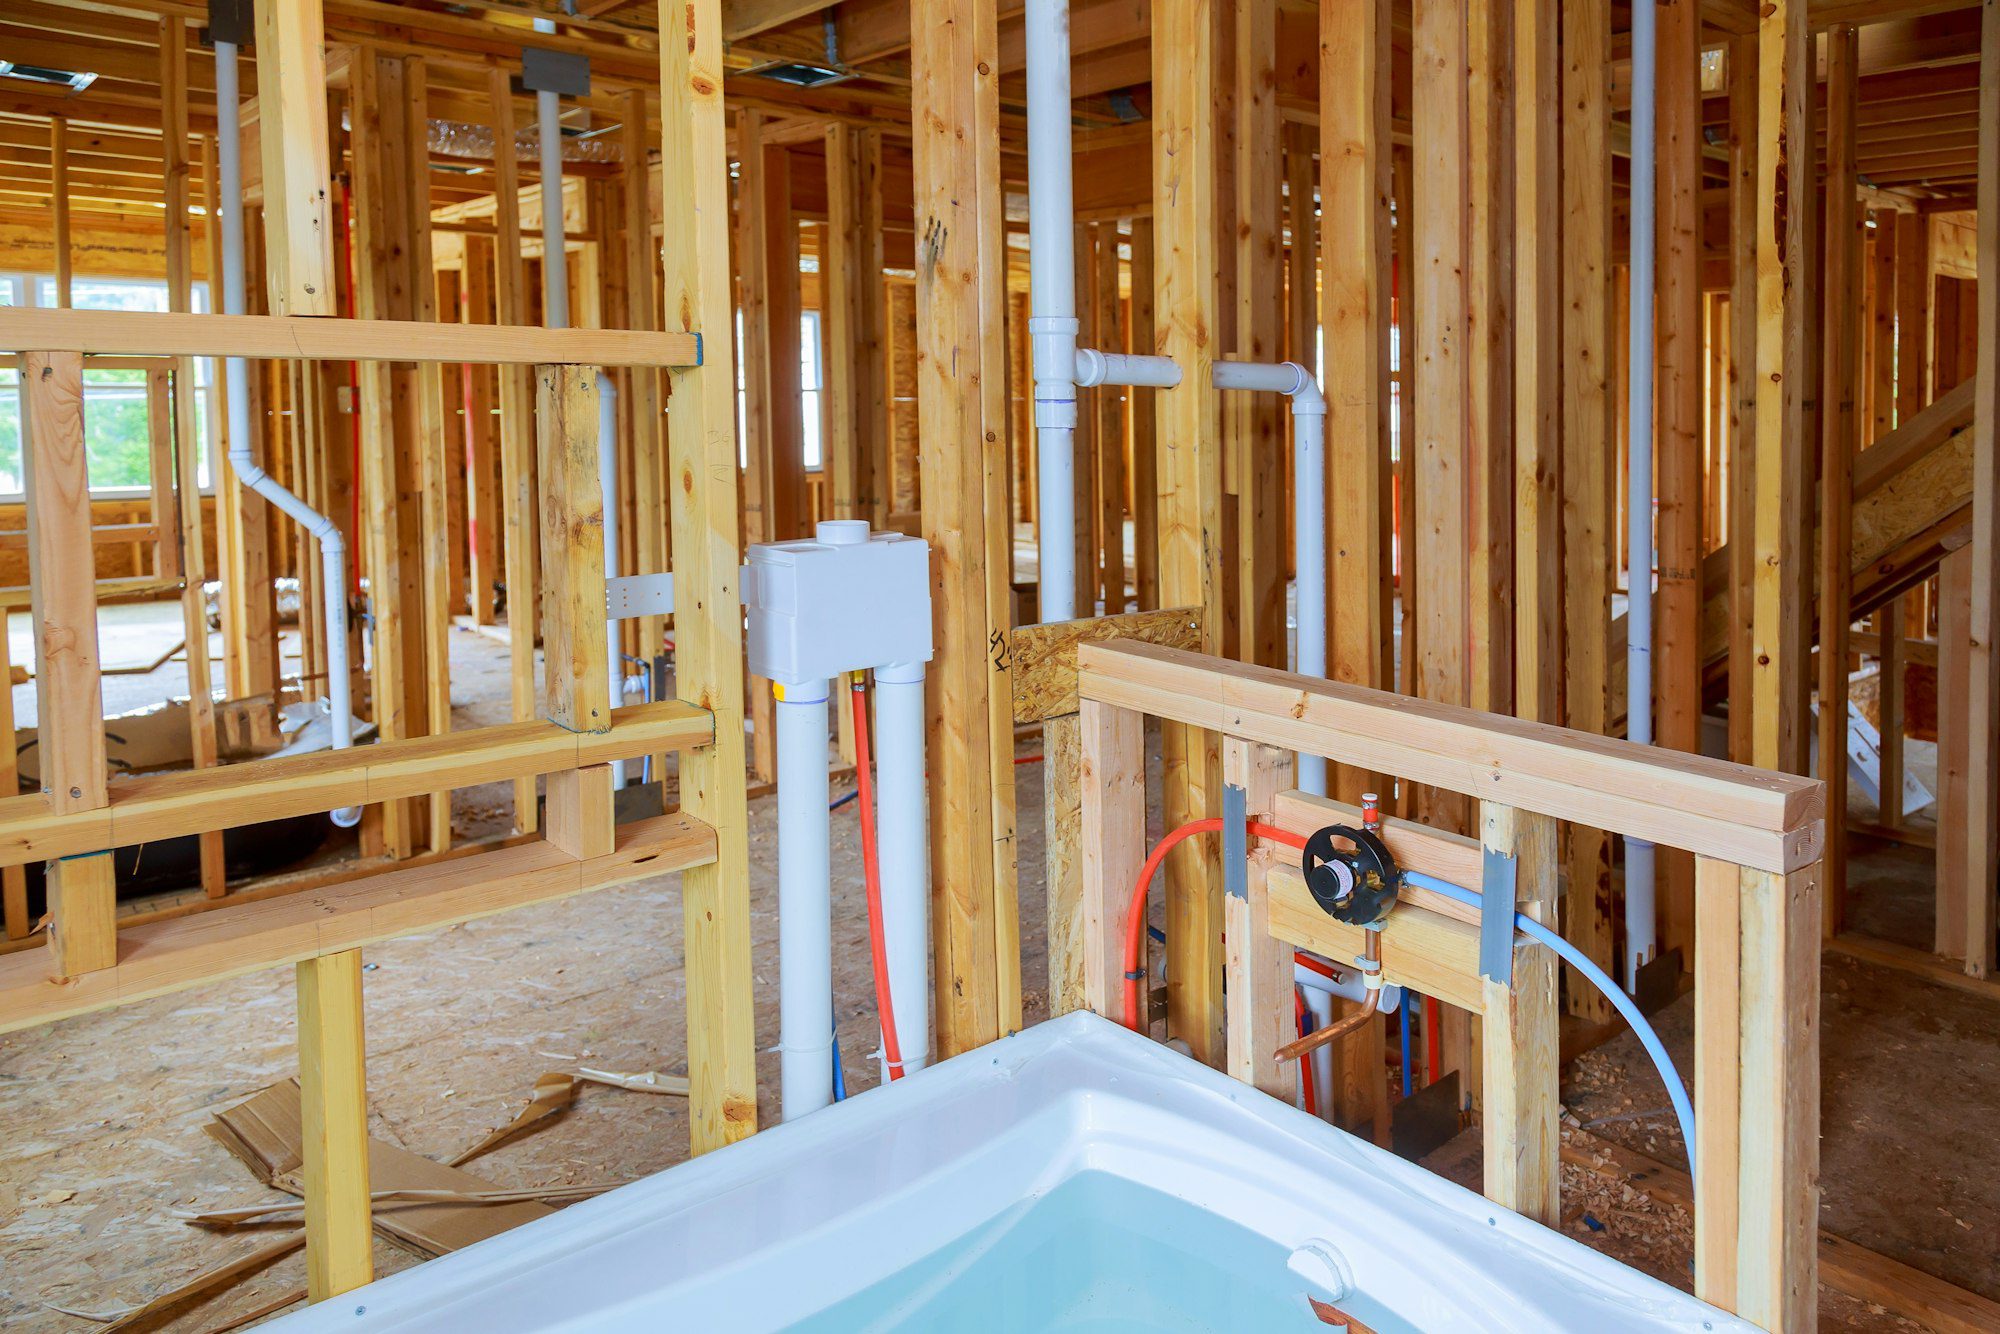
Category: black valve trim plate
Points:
column 1366, row 893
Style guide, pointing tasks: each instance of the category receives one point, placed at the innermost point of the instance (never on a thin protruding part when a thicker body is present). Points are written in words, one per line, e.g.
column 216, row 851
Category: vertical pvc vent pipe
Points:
column 236, row 391
column 1639, row 890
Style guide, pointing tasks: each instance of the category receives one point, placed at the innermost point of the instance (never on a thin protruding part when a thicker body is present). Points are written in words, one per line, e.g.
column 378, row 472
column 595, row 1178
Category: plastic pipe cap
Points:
column 841, row 532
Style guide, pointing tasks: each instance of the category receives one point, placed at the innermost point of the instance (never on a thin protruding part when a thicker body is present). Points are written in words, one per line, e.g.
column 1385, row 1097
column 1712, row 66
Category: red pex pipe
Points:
column 864, row 788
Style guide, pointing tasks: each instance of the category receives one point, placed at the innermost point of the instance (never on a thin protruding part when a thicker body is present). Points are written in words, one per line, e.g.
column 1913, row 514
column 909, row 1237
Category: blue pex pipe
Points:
column 1676, row 1090
column 1409, row 997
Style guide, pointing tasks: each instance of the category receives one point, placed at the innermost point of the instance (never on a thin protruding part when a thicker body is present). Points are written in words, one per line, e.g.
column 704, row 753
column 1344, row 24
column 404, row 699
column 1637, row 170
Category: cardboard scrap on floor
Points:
column 439, row 1208
column 267, row 1133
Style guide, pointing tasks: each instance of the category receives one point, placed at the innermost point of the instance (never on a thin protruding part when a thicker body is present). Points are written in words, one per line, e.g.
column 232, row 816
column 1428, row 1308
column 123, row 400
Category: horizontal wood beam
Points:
column 192, row 801
column 183, row 952
column 284, row 338
column 1746, row 816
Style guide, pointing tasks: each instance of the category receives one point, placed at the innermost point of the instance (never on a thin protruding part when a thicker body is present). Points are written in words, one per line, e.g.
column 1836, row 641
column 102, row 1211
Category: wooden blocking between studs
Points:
column 580, row 818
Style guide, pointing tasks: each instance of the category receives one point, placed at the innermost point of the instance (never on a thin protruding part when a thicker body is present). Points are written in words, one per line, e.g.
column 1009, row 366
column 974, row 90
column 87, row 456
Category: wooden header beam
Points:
column 284, row 338
column 1765, row 821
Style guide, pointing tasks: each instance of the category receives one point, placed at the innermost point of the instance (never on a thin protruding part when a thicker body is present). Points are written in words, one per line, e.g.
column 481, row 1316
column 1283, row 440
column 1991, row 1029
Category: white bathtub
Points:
column 1075, row 1176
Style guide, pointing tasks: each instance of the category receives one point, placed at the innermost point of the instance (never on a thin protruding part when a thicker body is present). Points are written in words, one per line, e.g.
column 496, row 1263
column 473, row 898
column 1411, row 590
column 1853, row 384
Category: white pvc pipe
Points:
column 903, row 843
column 555, row 260
column 607, row 482
column 1125, row 368
column 805, row 908
column 1308, row 515
column 1052, row 322
column 236, row 392
column 1639, row 890
column 1052, row 325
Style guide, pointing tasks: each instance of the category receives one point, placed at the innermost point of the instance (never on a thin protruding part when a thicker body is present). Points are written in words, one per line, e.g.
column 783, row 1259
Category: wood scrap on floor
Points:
column 651, row 1081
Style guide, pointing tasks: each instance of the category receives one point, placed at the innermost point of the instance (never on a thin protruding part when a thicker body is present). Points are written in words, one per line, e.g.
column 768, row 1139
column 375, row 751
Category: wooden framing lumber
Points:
column 181, row 952
column 573, row 615
column 1145, row 412
column 1677, row 345
column 1954, row 753
column 280, row 337
column 843, row 276
column 333, row 1114
column 1258, row 1009
column 155, row 806
column 1520, row 1038
column 1983, row 785
column 63, row 591
column 581, row 820
column 1743, row 388
column 962, row 410
column 1487, row 331
column 1537, row 312
column 1189, row 479
column 13, row 880
column 1354, row 145
column 784, row 455
column 708, row 643
column 517, row 445
column 1112, row 783
column 1782, row 575
column 83, row 913
column 1762, row 820
column 1445, row 506
column 1840, row 440
column 1062, row 841
column 174, row 168
column 291, row 127
column 1110, row 412
column 1776, row 1053
column 60, row 206
column 1588, row 514
column 1254, row 424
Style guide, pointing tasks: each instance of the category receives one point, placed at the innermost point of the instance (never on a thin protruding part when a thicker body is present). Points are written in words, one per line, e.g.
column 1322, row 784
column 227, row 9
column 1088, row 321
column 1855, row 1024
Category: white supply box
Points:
column 845, row 601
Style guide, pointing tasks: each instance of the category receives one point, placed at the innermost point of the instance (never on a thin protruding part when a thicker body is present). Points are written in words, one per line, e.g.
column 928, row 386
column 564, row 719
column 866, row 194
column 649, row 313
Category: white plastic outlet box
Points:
column 845, row 601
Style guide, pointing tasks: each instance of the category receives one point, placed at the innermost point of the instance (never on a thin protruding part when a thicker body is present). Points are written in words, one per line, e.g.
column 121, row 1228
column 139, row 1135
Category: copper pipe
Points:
column 1340, row 1028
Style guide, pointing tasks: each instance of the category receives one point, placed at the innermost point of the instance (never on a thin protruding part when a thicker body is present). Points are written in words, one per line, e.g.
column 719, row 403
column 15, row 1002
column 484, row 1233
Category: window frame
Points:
column 26, row 287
